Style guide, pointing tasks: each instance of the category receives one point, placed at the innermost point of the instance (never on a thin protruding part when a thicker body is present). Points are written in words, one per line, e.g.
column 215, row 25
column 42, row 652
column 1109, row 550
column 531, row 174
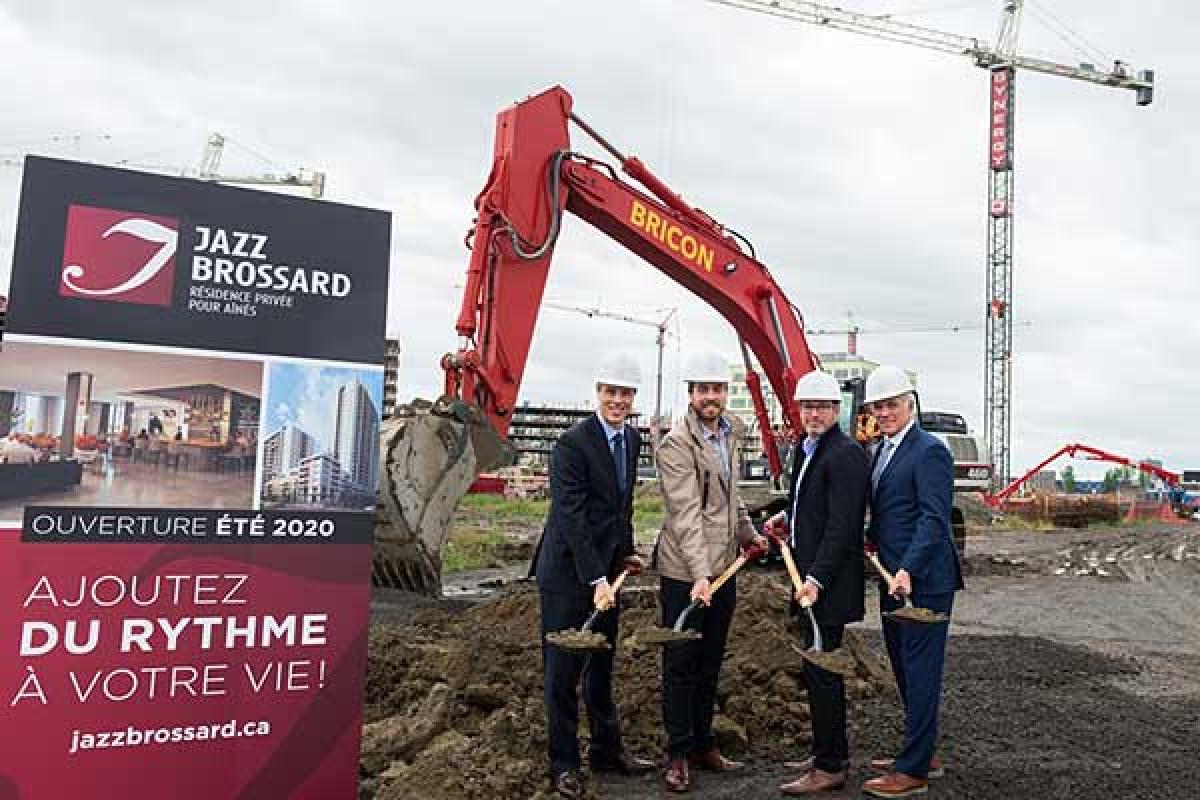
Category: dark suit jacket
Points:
column 910, row 514
column 589, row 530
column 826, row 511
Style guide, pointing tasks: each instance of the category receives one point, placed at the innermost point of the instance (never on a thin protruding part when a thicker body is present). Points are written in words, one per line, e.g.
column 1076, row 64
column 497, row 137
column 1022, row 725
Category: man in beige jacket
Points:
column 704, row 526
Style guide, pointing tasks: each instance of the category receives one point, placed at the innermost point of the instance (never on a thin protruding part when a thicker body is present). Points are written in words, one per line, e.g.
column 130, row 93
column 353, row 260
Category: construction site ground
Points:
column 1073, row 671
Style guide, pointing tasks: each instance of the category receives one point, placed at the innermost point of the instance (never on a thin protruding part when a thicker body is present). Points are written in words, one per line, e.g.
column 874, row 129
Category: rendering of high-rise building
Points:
column 284, row 449
column 356, row 435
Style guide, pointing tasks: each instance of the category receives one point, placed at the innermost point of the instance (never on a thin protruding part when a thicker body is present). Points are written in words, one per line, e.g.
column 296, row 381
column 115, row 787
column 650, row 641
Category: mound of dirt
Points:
column 454, row 697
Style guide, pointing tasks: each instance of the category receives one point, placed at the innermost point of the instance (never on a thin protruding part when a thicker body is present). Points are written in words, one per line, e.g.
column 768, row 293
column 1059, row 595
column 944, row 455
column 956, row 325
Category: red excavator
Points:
column 434, row 450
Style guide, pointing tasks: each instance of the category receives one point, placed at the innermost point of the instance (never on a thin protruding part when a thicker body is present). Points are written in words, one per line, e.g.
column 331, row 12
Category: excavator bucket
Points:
column 432, row 453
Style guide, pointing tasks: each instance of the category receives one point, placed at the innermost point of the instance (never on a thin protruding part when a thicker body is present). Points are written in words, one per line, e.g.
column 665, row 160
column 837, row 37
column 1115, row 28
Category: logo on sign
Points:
column 121, row 256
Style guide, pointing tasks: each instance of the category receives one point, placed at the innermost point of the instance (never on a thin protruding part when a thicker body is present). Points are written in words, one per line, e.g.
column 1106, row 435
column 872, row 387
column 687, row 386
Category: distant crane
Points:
column 210, row 170
column 660, row 325
column 852, row 330
column 1002, row 62
column 210, row 166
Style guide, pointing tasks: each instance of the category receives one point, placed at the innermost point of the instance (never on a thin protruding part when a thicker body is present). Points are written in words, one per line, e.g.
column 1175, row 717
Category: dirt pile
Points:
column 454, row 696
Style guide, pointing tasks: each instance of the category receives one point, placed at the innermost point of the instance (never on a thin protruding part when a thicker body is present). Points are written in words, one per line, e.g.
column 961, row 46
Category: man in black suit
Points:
column 587, row 541
column 824, row 522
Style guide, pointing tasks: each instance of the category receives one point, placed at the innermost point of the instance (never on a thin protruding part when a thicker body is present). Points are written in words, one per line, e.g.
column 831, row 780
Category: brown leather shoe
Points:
column 809, row 764
column 895, row 784
column 936, row 770
column 815, row 781
column 569, row 785
column 676, row 775
column 623, row 763
column 713, row 761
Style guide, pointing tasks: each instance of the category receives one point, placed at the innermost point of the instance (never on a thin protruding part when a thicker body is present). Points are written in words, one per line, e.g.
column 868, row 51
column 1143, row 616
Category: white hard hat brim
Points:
column 877, row 398
column 616, row 383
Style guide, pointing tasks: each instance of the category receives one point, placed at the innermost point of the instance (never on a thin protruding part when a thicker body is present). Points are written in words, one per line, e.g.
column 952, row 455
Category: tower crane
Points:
column 660, row 340
column 1002, row 62
column 210, row 167
column 853, row 330
column 210, row 170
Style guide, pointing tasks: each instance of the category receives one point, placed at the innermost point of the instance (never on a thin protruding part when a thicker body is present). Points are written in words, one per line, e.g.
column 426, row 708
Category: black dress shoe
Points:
column 569, row 784
column 623, row 763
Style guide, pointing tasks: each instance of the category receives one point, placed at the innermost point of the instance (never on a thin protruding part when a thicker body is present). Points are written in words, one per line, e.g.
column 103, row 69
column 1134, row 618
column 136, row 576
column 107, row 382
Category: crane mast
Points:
column 1002, row 62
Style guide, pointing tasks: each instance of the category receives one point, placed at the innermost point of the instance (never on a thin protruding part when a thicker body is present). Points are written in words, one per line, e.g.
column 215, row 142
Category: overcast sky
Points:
column 857, row 167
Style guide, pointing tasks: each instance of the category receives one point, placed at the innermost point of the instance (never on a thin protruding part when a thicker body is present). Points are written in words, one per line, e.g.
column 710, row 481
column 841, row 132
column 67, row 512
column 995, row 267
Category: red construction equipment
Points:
column 1172, row 479
column 534, row 178
column 435, row 450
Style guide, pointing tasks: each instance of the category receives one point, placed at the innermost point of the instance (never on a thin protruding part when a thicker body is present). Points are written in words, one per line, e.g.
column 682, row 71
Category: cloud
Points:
column 857, row 167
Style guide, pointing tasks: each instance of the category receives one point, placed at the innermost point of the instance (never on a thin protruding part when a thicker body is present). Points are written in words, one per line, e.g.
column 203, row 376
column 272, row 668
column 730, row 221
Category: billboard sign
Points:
column 189, row 408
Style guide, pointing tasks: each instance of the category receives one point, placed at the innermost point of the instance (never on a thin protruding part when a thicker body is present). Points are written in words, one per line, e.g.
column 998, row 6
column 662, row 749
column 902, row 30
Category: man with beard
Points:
column 587, row 541
column 912, row 480
column 704, row 525
column 824, row 527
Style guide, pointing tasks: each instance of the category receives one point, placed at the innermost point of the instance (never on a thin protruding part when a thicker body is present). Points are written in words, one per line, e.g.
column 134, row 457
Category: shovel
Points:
column 585, row 638
column 837, row 661
column 908, row 611
column 665, row 636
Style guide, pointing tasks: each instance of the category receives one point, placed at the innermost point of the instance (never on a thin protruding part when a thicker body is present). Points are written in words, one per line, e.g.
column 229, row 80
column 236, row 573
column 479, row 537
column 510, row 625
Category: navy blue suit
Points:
column 910, row 524
column 588, row 535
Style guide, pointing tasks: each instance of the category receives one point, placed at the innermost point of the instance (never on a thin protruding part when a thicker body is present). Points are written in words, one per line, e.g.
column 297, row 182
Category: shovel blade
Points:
column 578, row 640
column 914, row 614
column 838, row 662
column 664, row 636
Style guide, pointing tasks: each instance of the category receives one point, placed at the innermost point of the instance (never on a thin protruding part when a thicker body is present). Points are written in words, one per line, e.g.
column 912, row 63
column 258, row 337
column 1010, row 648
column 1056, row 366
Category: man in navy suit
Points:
column 587, row 541
column 912, row 489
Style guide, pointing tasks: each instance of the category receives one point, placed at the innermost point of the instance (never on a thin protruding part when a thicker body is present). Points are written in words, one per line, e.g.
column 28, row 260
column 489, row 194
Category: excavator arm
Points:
column 433, row 451
column 535, row 178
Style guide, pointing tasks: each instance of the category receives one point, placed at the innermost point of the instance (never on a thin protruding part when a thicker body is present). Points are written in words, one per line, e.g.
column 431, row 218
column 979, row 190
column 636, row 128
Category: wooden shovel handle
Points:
column 616, row 586
column 790, row 563
column 887, row 576
column 727, row 574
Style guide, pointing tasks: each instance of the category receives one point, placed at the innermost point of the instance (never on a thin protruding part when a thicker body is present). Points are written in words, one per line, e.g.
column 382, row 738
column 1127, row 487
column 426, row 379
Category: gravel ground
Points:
column 1062, row 682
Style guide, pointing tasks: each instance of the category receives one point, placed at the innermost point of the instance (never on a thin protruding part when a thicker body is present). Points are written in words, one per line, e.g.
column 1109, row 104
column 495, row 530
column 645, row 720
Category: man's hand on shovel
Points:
column 900, row 586
column 702, row 591
column 634, row 564
column 806, row 595
column 603, row 596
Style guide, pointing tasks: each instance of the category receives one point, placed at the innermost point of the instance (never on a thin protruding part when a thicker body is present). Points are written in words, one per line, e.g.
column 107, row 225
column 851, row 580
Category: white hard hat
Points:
column 706, row 368
column 621, row 371
column 818, row 385
column 886, row 381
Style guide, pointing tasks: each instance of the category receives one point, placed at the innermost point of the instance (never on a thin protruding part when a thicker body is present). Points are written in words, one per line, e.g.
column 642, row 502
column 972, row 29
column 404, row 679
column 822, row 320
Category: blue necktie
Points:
column 619, row 459
column 880, row 463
